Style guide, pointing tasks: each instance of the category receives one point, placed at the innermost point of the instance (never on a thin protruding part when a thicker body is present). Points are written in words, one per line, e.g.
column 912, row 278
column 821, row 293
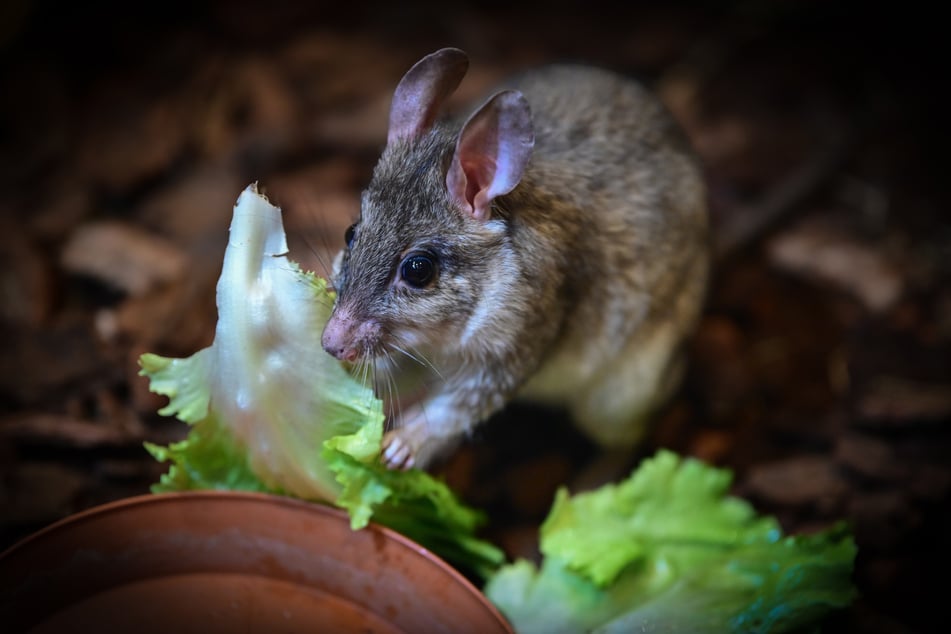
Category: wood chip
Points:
column 899, row 400
column 123, row 256
column 869, row 456
column 822, row 252
column 180, row 317
column 65, row 430
column 195, row 211
column 799, row 481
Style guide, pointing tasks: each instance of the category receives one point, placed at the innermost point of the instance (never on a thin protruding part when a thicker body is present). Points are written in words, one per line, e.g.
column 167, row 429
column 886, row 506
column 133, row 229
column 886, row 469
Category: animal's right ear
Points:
column 423, row 89
column 492, row 151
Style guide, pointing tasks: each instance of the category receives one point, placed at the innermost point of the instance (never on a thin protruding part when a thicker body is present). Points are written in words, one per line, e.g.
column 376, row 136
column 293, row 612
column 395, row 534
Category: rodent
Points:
column 553, row 246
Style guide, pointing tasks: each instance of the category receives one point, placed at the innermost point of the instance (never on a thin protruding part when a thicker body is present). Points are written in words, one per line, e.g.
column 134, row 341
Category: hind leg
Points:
column 616, row 409
column 615, row 406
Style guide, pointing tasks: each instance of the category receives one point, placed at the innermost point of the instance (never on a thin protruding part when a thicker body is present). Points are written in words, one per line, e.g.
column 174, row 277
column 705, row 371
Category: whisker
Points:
column 365, row 373
column 381, row 384
column 393, row 393
column 412, row 356
column 370, row 374
column 428, row 363
column 373, row 370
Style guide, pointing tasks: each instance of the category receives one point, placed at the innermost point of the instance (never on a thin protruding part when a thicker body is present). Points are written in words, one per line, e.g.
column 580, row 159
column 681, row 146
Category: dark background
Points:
column 819, row 374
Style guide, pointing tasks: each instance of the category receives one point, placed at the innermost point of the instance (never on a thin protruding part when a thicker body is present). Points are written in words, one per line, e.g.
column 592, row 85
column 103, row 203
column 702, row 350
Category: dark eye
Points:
column 418, row 270
column 349, row 233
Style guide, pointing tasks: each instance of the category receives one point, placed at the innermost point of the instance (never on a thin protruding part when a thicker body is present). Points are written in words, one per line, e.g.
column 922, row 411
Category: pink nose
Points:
column 347, row 338
column 338, row 337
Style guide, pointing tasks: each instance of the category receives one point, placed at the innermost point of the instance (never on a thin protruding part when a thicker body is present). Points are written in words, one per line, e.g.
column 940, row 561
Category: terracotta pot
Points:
column 231, row 562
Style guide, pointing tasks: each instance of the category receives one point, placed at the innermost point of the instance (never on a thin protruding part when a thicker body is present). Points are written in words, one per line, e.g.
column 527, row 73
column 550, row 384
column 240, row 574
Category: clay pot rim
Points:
column 117, row 506
column 172, row 498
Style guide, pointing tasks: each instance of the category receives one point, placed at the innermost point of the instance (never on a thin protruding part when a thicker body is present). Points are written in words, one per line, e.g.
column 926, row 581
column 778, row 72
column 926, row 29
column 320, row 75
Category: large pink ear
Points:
column 422, row 90
column 491, row 153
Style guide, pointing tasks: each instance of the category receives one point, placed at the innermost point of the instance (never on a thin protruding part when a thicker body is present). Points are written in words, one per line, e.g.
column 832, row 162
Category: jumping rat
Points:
column 553, row 246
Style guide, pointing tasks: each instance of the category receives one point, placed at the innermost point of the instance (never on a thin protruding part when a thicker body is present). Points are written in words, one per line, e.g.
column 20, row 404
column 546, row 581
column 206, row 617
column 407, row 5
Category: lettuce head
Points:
column 271, row 411
column 668, row 551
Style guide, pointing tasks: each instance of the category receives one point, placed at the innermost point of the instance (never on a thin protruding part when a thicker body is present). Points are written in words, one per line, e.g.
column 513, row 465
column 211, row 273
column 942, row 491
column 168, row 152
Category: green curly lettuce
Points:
column 668, row 551
column 271, row 411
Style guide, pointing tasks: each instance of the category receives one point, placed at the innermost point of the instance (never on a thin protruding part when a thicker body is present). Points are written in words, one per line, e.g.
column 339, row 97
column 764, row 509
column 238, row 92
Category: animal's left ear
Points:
column 422, row 91
column 491, row 153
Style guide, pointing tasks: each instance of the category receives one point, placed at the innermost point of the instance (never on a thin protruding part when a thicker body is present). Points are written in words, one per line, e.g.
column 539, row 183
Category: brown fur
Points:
column 578, row 292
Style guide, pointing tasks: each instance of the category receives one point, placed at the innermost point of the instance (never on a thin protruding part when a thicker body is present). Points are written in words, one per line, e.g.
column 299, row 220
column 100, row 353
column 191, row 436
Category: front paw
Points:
column 414, row 446
column 399, row 452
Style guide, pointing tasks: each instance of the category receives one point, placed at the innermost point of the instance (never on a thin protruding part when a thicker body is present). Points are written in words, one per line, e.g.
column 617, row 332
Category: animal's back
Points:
column 611, row 164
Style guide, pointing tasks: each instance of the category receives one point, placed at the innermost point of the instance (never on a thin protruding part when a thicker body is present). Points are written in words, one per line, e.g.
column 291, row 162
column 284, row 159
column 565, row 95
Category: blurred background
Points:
column 820, row 373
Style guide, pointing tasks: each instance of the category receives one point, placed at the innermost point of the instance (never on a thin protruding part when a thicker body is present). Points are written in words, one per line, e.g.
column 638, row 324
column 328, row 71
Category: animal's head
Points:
column 414, row 270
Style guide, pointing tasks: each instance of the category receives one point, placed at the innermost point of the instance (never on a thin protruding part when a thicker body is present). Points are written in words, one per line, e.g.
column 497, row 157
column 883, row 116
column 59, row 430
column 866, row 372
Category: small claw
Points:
column 397, row 453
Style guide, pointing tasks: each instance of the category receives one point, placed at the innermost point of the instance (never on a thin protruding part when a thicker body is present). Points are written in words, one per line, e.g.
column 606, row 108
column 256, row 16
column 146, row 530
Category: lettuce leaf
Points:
column 667, row 550
column 271, row 411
